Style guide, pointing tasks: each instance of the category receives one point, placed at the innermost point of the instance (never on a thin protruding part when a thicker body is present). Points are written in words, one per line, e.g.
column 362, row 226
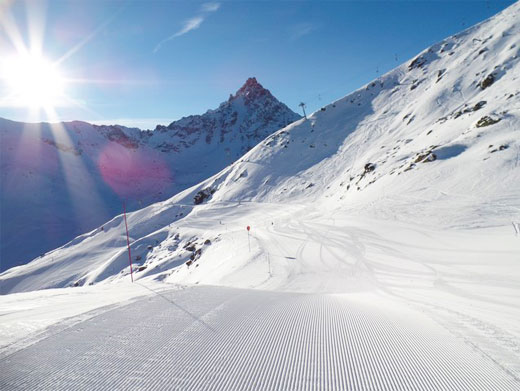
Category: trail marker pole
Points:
column 248, row 239
column 128, row 244
column 269, row 263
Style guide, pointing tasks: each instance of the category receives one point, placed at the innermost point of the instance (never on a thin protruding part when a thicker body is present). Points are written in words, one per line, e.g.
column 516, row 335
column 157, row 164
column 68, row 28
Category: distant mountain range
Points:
column 61, row 180
column 434, row 143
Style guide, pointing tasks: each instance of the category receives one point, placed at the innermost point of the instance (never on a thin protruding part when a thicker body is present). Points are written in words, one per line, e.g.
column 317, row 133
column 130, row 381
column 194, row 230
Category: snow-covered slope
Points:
column 61, row 180
column 433, row 144
column 436, row 139
column 397, row 205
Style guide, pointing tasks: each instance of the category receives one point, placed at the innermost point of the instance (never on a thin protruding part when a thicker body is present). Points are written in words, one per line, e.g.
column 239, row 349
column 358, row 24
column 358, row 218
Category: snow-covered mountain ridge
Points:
column 246, row 117
column 61, row 180
column 433, row 144
column 440, row 132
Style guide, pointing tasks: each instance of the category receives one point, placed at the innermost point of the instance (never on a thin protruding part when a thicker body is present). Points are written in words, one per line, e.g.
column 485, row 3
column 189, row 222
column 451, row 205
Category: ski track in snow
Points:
column 217, row 338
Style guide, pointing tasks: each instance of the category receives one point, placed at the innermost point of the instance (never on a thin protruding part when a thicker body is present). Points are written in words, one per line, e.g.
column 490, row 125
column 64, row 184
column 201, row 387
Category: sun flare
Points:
column 33, row 81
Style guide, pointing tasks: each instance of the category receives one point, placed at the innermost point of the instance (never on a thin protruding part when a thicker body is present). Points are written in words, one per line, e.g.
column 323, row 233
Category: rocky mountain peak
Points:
column 252, row 90
column 252, row 112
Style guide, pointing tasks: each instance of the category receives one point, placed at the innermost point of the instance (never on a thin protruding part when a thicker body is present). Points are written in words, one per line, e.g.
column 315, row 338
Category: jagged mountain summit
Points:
column 246, row 118
column 60, row 180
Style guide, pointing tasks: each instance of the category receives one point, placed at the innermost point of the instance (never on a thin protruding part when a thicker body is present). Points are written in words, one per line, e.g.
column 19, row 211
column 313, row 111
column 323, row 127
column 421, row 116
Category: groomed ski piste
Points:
column 383, row 253
column 327, row 303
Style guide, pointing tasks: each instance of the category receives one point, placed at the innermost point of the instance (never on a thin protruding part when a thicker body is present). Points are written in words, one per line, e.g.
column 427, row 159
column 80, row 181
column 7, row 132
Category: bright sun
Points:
column 34, row 81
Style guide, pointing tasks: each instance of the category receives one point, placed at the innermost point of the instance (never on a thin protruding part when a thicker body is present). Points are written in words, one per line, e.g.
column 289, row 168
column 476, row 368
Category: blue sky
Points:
column 147, row 62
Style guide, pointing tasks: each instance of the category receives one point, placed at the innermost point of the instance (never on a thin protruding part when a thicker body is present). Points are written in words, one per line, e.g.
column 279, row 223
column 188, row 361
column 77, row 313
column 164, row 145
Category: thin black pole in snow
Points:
column 128, row 243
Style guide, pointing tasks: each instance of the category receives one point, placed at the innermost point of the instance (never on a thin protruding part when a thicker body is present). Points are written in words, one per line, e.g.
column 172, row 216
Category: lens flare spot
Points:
column 134, row 174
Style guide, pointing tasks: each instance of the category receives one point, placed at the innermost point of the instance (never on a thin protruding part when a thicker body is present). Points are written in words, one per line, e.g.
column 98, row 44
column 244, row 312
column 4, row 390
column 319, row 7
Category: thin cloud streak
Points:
column 300, row 30
column 210, row 7
column 191, row 24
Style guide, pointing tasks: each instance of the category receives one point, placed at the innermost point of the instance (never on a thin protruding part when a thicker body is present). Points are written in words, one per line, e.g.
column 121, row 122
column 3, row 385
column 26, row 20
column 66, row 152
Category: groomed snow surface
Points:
column 320, row 302
column 215, row 338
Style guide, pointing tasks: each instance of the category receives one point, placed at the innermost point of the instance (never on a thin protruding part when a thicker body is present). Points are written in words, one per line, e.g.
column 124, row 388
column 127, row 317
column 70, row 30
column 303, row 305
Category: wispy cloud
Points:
column 210, row 7
column 300, row 30
column 191, row 24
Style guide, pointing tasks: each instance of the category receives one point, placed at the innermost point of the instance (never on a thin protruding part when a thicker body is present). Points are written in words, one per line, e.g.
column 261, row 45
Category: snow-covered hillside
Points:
column 61, row 180
column 434, row 143
column 436, row 140
column 404, row 192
